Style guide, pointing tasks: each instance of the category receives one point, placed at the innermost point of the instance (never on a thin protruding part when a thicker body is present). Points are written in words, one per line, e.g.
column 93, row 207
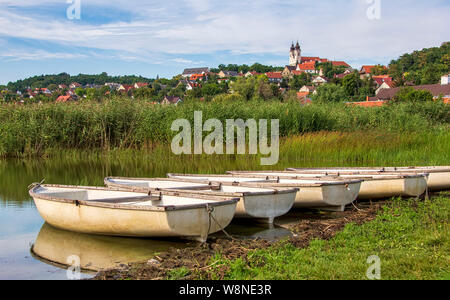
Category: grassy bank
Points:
column 34, row 130
column 410, row 237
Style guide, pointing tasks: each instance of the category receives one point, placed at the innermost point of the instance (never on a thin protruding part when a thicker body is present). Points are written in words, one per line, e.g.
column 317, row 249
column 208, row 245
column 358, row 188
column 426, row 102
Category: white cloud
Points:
column 334, row 29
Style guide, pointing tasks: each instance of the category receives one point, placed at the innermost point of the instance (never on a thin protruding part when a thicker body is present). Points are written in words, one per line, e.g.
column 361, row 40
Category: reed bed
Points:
column 122, row 123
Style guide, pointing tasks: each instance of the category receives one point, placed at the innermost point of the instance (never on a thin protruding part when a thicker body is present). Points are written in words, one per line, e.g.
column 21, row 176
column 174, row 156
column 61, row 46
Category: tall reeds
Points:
column 124, row 123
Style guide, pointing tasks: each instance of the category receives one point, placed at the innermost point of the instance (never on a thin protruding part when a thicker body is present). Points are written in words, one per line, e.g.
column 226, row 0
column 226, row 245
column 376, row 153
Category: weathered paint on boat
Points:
column 259, row 203
column 374, row 186
column 118, row 213
column 439, row 177
column 332, row 194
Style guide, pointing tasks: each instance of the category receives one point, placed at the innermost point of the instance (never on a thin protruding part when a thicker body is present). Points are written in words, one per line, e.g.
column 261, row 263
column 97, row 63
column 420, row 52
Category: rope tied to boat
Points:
column 36, row 184
column 210, row 210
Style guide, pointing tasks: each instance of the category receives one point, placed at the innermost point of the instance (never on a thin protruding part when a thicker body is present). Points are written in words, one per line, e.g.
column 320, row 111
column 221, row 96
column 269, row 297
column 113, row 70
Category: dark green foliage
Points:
column 257, row 67
column 422, row 67
column 44, row 81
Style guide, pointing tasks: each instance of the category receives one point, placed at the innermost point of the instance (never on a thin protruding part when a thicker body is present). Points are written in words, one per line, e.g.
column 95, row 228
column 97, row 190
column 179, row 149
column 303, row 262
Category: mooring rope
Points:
column 35, row 184
column 210, row 211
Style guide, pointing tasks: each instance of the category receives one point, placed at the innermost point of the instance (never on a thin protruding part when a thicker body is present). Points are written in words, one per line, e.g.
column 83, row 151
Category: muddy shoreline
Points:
column 305, row 226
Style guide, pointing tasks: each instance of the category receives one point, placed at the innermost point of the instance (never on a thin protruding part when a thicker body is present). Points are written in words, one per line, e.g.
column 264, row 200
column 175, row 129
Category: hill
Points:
column 44, row 81
column 422, row 67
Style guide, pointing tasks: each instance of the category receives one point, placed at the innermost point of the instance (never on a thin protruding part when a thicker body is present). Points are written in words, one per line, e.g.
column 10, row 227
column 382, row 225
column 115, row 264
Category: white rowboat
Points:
column 374, row 186
column 333, row 194
column 122, row 213
column 259, row 203
column 438, row 180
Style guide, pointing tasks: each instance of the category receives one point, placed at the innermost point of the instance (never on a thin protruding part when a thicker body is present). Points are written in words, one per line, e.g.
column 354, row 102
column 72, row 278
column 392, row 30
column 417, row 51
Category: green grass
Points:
column 410, row 237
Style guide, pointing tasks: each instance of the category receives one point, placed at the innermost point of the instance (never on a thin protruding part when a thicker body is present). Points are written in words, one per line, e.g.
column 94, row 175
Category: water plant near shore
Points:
column 122, row 123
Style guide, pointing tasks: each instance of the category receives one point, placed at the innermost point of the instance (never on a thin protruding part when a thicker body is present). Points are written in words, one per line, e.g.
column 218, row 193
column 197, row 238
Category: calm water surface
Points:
column 31, row 249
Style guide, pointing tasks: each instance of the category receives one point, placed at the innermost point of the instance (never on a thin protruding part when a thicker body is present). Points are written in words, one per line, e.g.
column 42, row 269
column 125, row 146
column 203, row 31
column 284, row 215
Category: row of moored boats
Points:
column 196, row 206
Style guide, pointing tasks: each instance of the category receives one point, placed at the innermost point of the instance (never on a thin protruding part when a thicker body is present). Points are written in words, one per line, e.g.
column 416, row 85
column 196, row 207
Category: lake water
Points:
column 31, row 249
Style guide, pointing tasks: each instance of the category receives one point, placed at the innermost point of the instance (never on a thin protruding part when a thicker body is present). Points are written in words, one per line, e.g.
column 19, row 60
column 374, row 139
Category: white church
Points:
column 295, row 56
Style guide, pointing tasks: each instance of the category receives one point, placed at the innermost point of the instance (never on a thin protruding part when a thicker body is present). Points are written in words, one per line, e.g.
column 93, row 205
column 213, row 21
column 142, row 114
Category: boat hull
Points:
column 195, row 222
column 265, row 207
column 327, row 197
column 400, row 187
column 439, row 181
column 439, row 177
column 330, row 197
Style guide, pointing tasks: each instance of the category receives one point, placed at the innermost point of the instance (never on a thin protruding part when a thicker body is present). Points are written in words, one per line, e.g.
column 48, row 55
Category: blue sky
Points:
column 162, row 38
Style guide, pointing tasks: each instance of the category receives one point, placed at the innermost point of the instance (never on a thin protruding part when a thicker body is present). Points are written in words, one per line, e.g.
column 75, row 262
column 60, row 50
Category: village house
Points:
column 199, row 77
column 307, row 67
column 140, row 85
column 346, row 72
column 383, row 82
column 319, row 80
column 340, row 64
column 445, row 80
column 252, row 73
column 112, row 85
column 287, row 72
column 125, row 88
column 367, row 71
column 274, row 77
column 437, row 90
column 191, row 85
column 223, row 74
column 309, row 89
column 64, row 99
column 44, row 91
column 187, row 73
column 74, row 85
column 171, row 100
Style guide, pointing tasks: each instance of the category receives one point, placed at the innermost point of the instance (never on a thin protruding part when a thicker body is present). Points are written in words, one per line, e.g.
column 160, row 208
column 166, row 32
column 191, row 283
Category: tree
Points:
column 330, row 93
column 245, row 87
column 412, row 95
column 80, row 92
column 351, row 84
column 298, row 81
column 379, row 70
column 210, row 89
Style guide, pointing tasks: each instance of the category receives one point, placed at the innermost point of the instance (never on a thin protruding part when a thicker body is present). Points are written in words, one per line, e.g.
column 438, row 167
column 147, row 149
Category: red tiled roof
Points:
column 301, row 95
column 368, row 69
column 340, row 63
column 310, row 58
column 197, row 76
column 368, row 103
column 62, row 99
column 307, row 66
column 127, row 87
column 383, row 79
column 295, row 72
column 274, row 75
column 341, row 75
column 141, row 84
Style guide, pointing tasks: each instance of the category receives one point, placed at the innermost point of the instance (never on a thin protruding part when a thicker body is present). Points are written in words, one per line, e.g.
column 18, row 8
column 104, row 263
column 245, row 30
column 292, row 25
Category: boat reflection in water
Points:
column 55, row 246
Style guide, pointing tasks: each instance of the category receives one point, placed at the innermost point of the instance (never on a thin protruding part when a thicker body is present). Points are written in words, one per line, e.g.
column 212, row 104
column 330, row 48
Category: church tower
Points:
column 295, row 55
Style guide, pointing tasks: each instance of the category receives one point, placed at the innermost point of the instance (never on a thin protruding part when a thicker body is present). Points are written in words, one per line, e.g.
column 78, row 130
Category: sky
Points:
column 150, row 38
